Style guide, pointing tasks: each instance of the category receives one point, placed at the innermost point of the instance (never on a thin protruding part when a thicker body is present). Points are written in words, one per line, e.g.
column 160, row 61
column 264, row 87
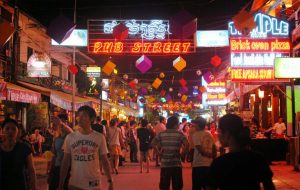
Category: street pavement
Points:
column 129, row 177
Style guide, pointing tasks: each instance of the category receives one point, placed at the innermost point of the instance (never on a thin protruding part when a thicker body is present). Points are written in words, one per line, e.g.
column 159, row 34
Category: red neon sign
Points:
column 260, row 45
column 157, row 47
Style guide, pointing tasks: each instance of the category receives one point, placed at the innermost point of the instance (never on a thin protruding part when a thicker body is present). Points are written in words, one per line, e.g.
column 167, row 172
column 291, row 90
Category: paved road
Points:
column 129, row 177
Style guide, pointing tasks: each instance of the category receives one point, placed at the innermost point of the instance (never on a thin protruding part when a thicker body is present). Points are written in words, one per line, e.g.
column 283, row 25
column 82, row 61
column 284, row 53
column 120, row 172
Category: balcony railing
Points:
column 53, row 82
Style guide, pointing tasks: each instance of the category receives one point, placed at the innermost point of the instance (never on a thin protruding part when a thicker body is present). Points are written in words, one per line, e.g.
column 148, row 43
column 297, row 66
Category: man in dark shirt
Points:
column 241, row 168
column 144, row 136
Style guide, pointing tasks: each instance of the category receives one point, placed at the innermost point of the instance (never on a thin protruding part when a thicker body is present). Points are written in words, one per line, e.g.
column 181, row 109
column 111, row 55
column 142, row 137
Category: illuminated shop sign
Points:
column 266, row 26
column 260, row 45
column 212, row 38
column 39, row 65
column 287, row 67
column 253, row 59
column 93, row 71
column 250, row 74
column 157, row 47
column 215, row 93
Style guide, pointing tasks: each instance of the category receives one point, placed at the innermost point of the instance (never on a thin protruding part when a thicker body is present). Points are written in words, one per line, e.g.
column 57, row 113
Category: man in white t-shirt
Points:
column 279, row 127
column 82, row 150
column 205, row 151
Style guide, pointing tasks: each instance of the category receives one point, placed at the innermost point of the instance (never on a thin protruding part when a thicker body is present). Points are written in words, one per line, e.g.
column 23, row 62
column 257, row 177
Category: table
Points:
column 271, row 149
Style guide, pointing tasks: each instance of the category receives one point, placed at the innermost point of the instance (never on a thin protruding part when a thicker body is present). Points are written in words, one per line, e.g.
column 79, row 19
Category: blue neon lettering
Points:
column 265, row 26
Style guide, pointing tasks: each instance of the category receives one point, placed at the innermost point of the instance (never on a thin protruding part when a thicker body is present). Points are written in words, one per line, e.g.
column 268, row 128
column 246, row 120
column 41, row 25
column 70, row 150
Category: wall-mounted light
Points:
column 261, row 93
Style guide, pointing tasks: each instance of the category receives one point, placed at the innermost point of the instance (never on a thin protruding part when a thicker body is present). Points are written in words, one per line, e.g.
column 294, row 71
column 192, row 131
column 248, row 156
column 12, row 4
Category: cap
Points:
column 199, row 121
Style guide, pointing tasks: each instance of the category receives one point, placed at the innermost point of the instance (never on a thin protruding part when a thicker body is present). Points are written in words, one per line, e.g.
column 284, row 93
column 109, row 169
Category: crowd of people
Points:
column 169, row 143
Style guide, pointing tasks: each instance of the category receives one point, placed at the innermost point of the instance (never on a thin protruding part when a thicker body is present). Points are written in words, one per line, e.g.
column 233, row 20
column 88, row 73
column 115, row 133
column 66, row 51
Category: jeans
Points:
column 199, row 176
column 168, row 174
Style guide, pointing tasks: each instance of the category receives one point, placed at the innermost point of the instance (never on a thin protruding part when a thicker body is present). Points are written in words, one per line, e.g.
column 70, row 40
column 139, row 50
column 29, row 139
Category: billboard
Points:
column 252, row 56
column 212, row 38
column 287, row 67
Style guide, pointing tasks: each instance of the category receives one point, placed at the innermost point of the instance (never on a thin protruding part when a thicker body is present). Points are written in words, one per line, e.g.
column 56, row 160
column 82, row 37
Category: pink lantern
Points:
column 143, row 64
column 183, row 25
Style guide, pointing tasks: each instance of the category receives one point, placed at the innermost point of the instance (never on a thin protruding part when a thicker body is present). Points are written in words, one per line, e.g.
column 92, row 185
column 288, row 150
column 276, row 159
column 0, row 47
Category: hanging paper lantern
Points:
column 170, row 89
column 183, row 25
column 120, row 32
column 162, row 92
column 182, row 82
column 60, row 28
column 202, row 89
column 73, row 69
column 208, row 77
column 132, row 84
column 168, row 98
column 143, row 64
column 184, row 90
column 143, row 91
column 215, row 60
column 125, row 77
column 108, row 68
column 179, row 63
column 136, row 81
column 184, row 98
column 244, row 22
column 198, row 72
column 156, row 83
column 162, row 75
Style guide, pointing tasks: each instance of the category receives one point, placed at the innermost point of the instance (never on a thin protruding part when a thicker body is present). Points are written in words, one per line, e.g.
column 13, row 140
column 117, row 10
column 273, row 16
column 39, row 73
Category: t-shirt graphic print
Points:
column 85, row 151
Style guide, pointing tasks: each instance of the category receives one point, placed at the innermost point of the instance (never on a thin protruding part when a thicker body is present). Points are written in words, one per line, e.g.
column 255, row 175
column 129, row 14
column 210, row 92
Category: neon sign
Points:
column 158, row 47
column 267, row 26
column 215, row 93
column 248, row 74
column 146, row 29
column 260, row 45
column 253, row 59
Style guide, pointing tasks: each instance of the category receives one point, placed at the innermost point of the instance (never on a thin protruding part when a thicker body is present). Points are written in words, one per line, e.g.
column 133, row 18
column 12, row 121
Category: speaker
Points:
column 6, row 31
column 60, row 28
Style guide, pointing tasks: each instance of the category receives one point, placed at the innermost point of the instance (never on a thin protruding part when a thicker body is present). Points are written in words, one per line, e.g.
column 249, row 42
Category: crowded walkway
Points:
column 130, row 178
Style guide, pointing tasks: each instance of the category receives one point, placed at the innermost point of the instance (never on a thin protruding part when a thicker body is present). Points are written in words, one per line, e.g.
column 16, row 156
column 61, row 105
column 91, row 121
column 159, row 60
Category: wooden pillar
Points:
column 275, row 109
column 264, row 108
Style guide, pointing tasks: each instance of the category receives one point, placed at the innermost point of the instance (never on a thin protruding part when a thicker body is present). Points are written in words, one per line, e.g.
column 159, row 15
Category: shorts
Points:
column 115, row 149
column 144, row 155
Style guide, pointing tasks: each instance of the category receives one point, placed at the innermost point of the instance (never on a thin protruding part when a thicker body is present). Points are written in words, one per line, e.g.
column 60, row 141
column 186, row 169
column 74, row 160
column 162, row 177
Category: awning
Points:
column 58, row 98
column 12, row 92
